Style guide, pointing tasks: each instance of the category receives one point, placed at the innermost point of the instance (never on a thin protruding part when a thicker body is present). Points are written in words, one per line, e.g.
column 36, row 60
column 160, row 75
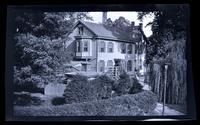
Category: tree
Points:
column 170, row 21
column 39, row 39
column 168, row 44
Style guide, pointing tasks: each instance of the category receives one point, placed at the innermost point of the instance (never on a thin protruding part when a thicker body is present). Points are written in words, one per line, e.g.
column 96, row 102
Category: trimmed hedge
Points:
column 103, row 87
column 58, row 101
column 125, row 105
column 79, row 90
column 123, row 84
column 136, row 87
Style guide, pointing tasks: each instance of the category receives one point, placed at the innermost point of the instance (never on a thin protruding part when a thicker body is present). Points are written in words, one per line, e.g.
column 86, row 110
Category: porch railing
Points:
column 113, row 72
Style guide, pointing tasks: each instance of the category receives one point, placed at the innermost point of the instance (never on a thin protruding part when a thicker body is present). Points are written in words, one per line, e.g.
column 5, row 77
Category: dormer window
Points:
column 80, row 30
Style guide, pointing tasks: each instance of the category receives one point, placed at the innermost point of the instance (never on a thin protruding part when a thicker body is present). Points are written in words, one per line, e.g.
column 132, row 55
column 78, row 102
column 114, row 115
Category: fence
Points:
column 175, row 80
column 114, row 72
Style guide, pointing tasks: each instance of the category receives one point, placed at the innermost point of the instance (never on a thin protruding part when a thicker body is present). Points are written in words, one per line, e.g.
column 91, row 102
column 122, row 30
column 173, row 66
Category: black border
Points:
column 86, row 7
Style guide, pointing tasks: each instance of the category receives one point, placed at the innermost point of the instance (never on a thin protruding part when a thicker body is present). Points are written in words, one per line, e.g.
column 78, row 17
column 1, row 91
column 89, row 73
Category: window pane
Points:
column 85, row 46
column 110, row 47
column 129, row 49
column 101, row 65
column 123, row 47
column 78, row 46
column 129, row 65
column 110, row 63
column 102, row 46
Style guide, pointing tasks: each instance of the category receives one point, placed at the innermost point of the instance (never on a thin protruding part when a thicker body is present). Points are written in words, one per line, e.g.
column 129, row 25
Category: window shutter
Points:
column 88, row 42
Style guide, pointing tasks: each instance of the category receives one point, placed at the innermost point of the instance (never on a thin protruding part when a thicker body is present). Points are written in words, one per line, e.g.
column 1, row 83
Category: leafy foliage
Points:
column 103, row 86
column 136, row 86
column 58, row 101
column 168, row 44
column 79, row 90
column 26, row 100
column 39, row 39
column 123, row 84
column 126, row 105
column 170, row 22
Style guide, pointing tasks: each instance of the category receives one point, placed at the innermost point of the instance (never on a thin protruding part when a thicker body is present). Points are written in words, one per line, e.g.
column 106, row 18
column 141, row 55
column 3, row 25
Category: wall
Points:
column 116, row 53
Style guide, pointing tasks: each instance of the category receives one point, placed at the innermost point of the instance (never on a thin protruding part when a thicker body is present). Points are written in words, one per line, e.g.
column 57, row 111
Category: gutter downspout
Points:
column 96, row 55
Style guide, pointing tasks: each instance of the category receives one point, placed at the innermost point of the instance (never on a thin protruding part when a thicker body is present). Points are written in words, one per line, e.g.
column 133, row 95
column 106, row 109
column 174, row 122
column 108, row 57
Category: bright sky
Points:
column 131, row 16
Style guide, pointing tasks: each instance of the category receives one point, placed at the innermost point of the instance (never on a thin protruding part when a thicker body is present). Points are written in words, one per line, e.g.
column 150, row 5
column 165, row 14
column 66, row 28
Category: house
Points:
column 97, row 49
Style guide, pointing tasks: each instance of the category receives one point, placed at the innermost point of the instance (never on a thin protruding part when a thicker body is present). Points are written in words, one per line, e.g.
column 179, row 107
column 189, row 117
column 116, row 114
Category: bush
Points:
column 24, row 80
column 123, row 85
column 125, row 105
column 26, row 100
column 79, row 90
column 103, row 86
column 58, row 101
column 136, row 87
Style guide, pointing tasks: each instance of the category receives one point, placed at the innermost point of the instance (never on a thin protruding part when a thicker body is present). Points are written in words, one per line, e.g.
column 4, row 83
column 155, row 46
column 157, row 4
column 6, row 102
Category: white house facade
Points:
column 97, row 49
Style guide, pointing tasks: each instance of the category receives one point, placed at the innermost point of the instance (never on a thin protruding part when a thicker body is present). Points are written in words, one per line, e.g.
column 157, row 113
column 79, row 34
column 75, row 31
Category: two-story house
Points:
column 97, row 49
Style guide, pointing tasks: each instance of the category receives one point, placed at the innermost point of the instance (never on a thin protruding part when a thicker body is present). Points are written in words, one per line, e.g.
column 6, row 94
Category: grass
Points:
column 126, row 105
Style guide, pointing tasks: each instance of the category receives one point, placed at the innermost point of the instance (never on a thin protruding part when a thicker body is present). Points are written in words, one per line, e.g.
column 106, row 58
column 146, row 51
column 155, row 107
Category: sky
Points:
column 131, row 16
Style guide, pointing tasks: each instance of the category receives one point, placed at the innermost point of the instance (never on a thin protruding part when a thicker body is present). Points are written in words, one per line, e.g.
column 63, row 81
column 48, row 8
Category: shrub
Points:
column 58, row 101
column 136, row 86
column 79, row 90
column 103, row 86
column 24, row 80
column 26, row 100
column 123, row 84
column 125, row 105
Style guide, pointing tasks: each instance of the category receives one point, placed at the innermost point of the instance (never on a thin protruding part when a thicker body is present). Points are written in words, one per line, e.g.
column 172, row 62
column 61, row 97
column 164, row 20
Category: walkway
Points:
column 158, row 110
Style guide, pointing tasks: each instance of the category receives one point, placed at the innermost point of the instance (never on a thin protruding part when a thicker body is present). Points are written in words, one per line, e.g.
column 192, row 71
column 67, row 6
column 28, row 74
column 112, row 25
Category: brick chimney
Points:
column 104, row 17
column 141, row 25
column 132, row 25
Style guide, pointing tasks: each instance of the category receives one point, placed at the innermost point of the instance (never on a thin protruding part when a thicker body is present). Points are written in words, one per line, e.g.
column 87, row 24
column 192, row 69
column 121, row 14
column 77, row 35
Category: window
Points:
column 102, row 46
column 129, row 50
column 123, row 47
column 84, row 67
column 110, row 47
column 101, row 65
column 78, row 45
column 129, row 65
column 110, row 64
column 80, row 30
column 85, row 46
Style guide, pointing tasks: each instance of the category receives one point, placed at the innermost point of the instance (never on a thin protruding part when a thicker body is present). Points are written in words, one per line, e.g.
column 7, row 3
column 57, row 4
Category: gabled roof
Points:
column 98, row 29
column 109, row 33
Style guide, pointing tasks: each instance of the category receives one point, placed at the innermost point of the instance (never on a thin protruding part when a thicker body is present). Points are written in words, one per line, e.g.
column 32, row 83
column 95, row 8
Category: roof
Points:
column 110, row 33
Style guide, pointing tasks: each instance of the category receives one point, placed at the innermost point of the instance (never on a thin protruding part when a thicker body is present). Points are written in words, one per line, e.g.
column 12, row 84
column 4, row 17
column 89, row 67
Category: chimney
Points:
column 132, row 25
column 141, row 25
column 104, row 17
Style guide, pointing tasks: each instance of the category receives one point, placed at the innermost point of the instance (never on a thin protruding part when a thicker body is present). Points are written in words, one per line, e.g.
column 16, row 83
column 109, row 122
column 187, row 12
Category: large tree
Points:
column 168, row 44
column 39, row 39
